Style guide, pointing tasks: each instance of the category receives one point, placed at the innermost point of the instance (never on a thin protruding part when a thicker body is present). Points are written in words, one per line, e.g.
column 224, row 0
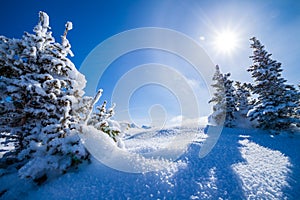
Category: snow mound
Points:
column 102, row 147
column 167, row 144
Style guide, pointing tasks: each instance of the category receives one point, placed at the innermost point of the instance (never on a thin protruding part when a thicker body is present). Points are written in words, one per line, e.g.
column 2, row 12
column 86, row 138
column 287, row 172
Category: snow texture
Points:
column 103, row 148
column 244, row 164
column 265, row 180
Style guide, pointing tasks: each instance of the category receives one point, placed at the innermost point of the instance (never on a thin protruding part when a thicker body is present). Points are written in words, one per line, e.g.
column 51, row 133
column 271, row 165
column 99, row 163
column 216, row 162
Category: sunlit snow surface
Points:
column 244, row 164
column 264, row 173
column 166, row 149
column 167, row 143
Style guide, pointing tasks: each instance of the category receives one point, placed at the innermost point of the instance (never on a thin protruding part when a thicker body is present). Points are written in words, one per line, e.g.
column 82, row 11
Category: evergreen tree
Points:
column 43, row 102
column 230, row 99
column 297, row 109
column 224, row 100
column 101, row 120
column 243, row 104
column 275, row 105
column 10, row 116
column 219, row 107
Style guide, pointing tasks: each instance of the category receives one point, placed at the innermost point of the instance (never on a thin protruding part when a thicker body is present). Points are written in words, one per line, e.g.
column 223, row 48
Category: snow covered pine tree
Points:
column 243, row 95
column 244, row 103
column 218, row 115
column 230, row 97
column 41, row 97
column 224, row 98
column 101, row 120
column 276, row 102
column 297, row 109
column 10, row 115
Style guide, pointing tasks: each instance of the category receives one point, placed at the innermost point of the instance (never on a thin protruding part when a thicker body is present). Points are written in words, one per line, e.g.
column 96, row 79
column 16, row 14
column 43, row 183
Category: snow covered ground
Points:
column 244, row 164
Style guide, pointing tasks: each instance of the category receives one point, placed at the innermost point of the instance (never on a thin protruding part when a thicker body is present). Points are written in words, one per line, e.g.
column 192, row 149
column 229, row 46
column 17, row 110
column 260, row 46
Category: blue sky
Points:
column 275, row 23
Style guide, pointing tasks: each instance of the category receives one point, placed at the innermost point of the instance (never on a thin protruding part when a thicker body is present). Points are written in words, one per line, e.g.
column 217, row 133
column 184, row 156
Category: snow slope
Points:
column 244, row 164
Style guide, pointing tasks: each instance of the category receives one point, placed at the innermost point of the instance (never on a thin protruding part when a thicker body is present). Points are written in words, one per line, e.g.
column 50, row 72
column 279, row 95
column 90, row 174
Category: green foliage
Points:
column 101, row 120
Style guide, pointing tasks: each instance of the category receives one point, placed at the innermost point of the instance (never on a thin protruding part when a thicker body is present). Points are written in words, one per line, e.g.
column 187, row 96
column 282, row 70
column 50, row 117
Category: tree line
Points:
column 267, row 103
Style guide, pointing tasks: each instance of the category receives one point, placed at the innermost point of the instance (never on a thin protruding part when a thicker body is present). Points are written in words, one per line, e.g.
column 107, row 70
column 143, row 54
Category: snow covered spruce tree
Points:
column 230, row 98
column 224, row 100
column 276, row 101
column 42, row 103
column 10, row 115
column 297, row 109
column 219, row 107
column 243, row 98
column 101, row 120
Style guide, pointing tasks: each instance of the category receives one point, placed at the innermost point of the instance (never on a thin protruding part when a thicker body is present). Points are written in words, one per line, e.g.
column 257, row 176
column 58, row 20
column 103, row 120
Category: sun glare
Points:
column 226, row 42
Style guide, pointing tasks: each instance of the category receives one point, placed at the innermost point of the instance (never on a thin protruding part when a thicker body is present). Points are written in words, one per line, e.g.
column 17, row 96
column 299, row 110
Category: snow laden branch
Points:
column 92, row 104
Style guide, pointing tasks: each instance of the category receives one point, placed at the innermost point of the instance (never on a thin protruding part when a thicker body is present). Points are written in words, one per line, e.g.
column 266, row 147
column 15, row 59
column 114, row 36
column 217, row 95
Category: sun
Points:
column 226, row 41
